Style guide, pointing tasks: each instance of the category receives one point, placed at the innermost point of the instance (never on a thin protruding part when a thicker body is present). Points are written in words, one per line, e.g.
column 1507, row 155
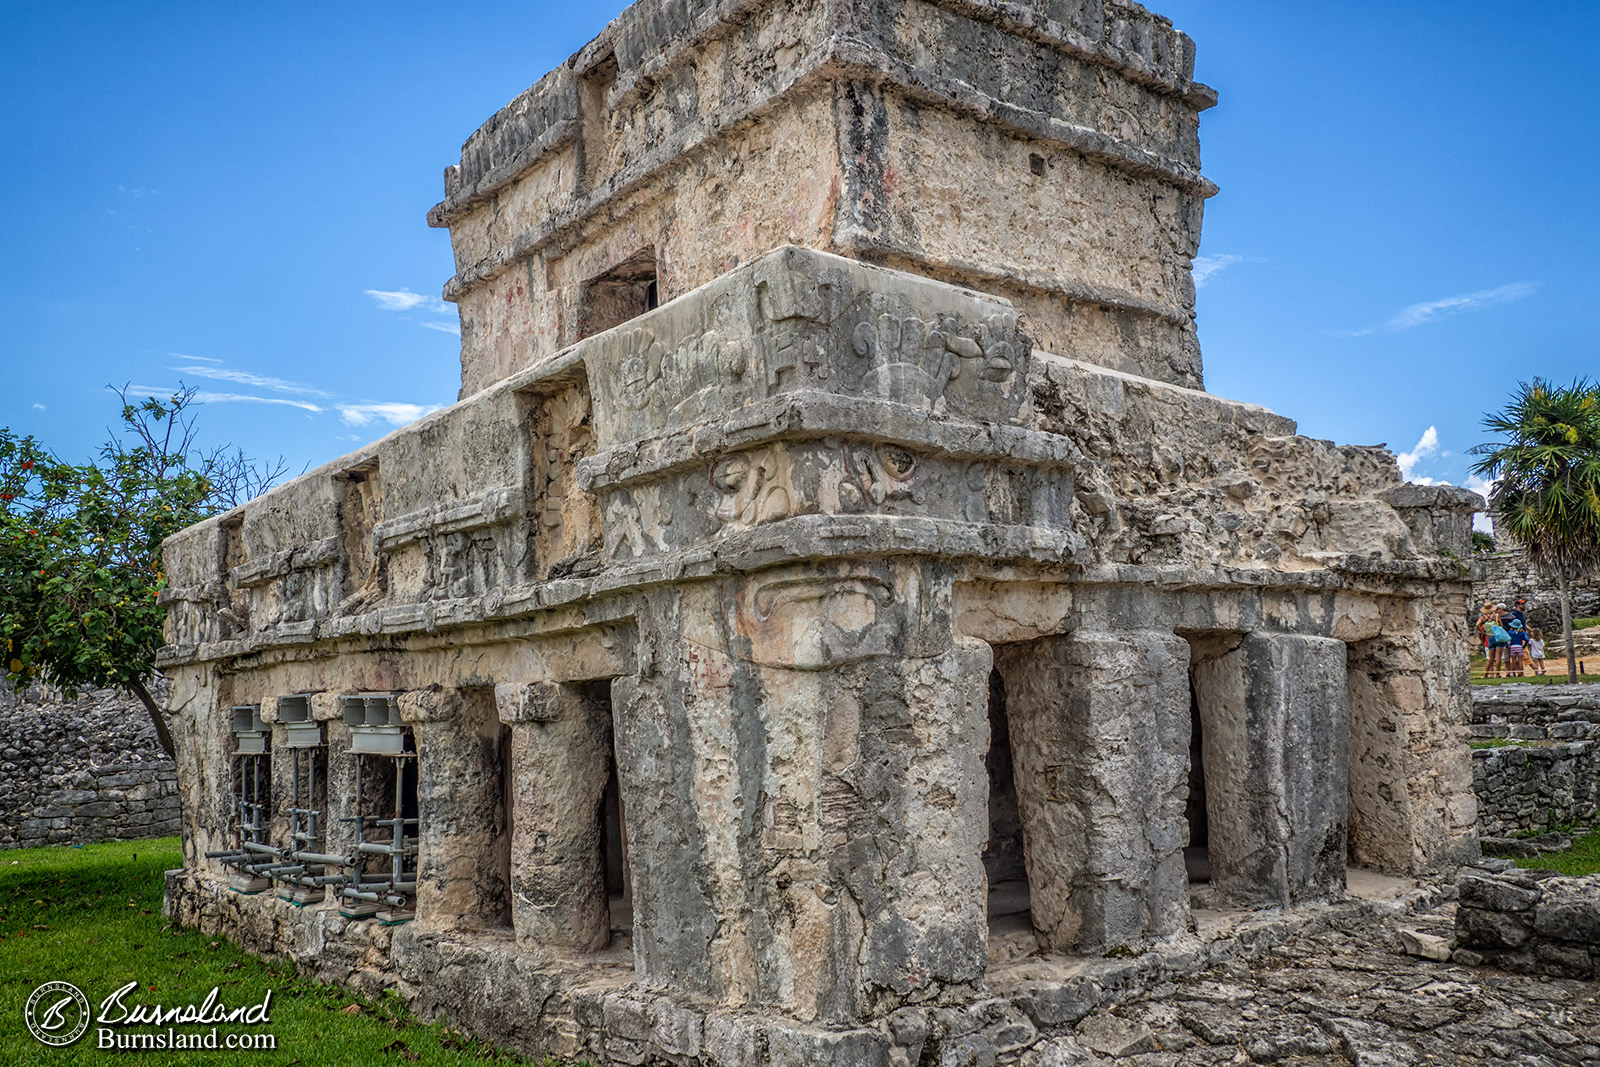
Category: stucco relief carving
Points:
column 867, row 476
column 636, row 523
column 754, row 487
column 906, row 351
column 806, row 622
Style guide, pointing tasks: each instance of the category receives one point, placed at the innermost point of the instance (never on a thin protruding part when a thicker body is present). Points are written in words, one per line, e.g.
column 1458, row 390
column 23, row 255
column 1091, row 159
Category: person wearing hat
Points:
column 1517, row 643
column 1486, row 618
column 1499, row 642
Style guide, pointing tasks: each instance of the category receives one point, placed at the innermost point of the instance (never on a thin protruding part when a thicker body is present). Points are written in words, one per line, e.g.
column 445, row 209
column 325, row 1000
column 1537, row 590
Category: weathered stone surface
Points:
column 789, row 664
column 82, row 770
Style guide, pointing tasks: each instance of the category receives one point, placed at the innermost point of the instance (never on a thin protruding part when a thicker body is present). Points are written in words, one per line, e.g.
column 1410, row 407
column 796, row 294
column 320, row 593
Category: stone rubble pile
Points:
column 83, row 770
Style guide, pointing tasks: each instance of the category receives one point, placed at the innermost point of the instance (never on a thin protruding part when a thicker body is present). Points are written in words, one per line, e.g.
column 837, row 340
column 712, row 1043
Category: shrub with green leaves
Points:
column 80, row 545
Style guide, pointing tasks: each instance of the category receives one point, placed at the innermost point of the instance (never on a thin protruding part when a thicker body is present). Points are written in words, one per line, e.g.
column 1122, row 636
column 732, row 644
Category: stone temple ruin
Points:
column 834, row 585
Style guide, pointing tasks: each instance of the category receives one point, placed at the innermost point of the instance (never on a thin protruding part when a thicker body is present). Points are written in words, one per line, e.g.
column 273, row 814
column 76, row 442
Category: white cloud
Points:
column 395, row 414
column 38, row 407
column 163, row 392
column 1207, row 266
column 229, row 398
column 1431, row 311
column 194, row 359
column 444, row 327
column 405, row 300
column 1483, row 487
column 246, row 378
column 1425, row 447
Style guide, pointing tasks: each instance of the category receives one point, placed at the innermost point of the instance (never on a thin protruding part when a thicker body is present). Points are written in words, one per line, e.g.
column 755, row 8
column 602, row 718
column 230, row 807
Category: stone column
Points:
column 1099, row 740
column 561, row 759
column 1275, row 717
column 461, row 875
column 201, row 722
column 801, row 755
column 1412, row 808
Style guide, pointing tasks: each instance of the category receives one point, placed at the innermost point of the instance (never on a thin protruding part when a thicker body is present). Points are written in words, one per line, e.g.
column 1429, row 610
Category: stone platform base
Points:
column 588, row 1007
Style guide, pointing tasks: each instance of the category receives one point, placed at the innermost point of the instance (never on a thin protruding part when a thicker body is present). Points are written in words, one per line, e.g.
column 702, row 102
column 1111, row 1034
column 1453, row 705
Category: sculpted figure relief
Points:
column 755, row 487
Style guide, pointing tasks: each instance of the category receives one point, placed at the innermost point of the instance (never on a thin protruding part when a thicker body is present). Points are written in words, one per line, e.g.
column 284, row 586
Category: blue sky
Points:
column 214, row 192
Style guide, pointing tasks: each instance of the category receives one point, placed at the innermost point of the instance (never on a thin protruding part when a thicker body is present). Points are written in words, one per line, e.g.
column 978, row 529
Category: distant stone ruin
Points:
column 82, row 769
column 834, row 597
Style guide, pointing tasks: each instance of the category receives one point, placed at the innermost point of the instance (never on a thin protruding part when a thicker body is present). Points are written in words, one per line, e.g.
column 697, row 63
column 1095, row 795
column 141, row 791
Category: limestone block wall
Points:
column 1530, row 922
column 1534, row 787
column 688, row 138
column 79, row 771
column 1507, row 574
column 1553, row 711
column 1548, row 773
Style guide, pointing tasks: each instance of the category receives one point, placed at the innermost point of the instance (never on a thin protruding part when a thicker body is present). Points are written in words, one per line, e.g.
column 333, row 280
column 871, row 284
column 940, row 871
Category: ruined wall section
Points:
column 1530, row 922
column 894, row 110
column 83, row 770
column 1175, row 476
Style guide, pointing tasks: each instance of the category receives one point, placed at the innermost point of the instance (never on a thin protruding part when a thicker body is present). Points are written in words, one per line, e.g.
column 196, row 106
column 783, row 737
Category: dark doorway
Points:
column 613, row 821
column 1004, row 857
column 1197, row 854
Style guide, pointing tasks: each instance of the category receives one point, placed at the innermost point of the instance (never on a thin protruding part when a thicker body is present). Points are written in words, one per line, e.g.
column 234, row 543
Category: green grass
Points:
column 1584, row 624
column 92, row 916
column 1583, row 858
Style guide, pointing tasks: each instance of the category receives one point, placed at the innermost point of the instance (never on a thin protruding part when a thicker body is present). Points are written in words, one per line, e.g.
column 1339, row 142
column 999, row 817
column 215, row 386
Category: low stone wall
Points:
column 1530, row 922
column 1548, row 773
column 1497, row 709
column 1532, row 788
column 77, row 771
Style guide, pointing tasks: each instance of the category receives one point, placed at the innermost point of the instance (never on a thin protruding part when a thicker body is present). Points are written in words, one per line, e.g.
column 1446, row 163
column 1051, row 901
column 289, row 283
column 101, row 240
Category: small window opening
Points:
column 382, row 869
column 1036, row 164
column 300, row 872
column 508, row 808
column 1004, row 857
column 626, row 291
column 1197, row 853
column 248, row 861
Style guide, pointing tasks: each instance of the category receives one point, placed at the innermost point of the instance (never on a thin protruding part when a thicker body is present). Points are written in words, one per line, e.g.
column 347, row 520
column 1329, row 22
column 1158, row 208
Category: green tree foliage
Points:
column 80, row 545
column 1546, row 468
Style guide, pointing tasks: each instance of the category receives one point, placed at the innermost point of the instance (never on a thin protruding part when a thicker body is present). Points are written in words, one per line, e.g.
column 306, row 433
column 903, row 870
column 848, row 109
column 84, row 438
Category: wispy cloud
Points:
column 241, row 377
column 228, row 398
column 444, row 327
column 1207, row 267
column 203, row 397
column 395, row 414
column 1431, row 311
column 195, row 359
column 405, row 300
column 1426, row 446
column 38, row 407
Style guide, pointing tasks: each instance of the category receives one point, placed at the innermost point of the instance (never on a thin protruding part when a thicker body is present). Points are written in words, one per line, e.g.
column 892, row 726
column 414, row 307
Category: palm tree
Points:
column 1546, row 471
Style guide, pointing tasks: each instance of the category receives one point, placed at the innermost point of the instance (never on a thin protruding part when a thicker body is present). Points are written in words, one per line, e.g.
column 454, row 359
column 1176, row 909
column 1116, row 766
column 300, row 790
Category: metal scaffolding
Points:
column 379, row 741
column 378, row 876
